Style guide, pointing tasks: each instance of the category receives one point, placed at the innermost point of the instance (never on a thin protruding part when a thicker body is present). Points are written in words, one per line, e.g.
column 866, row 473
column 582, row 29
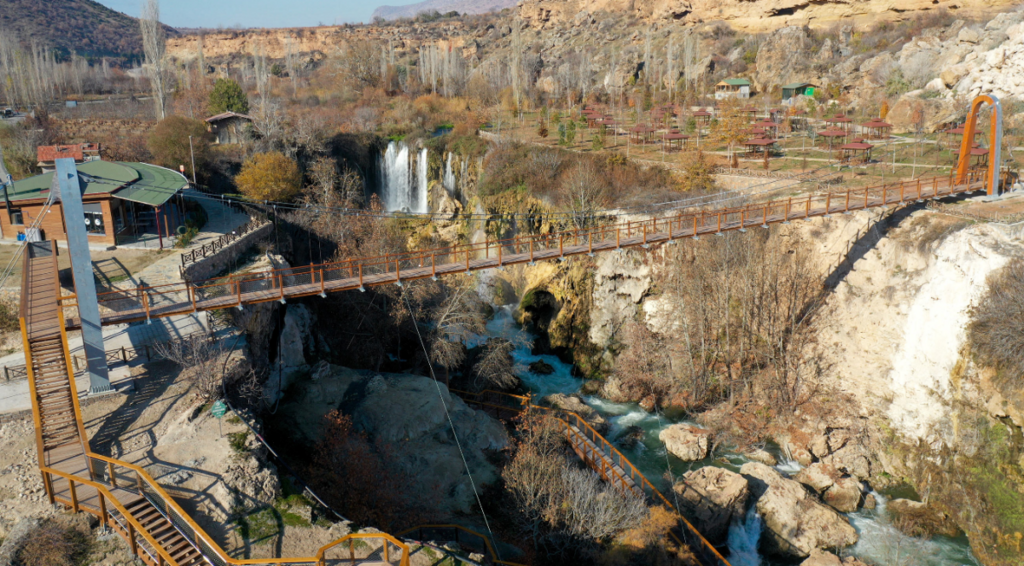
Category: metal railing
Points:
column 462, row 536
column 211, row 248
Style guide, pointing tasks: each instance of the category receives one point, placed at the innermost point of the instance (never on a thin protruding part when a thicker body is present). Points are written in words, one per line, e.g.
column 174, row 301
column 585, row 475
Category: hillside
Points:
column 81, row 26
column 443, row 6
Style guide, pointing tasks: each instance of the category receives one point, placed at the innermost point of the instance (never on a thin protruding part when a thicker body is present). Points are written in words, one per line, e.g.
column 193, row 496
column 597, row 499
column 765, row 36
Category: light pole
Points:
column 192, row 154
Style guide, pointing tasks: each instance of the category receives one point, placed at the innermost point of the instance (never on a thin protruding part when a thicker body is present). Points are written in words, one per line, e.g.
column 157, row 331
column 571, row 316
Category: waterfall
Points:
column 449, row 176
column 399, row 189
column 743, row 539
column 422, row 188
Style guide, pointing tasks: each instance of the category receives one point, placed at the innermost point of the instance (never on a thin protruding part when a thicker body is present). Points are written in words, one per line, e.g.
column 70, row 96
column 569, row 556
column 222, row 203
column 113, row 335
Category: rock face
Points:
column 404, row 411
column 576, row 405
column 686, row 442
column 842, row 492
column 795, row 522
column 920, row 519
column 776, row 64
column 714, row 496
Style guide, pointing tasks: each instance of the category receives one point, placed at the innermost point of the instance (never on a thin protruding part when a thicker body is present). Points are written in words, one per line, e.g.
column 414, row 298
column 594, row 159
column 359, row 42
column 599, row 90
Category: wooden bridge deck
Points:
column 119, row 307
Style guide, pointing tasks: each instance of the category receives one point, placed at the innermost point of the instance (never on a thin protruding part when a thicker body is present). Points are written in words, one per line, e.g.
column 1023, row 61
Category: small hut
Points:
column 673, row 140
column 876, row 129
column 857, row 151
column 979, row 157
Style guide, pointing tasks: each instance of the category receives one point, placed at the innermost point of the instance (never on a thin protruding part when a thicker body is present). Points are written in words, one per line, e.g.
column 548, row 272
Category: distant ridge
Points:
column 443, row 6
column 72, row 26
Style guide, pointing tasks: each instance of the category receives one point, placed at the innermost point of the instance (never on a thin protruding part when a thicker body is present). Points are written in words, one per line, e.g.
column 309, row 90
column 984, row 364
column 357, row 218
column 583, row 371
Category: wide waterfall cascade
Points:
column 743, row 540
column 449, row 176
column 402, row 189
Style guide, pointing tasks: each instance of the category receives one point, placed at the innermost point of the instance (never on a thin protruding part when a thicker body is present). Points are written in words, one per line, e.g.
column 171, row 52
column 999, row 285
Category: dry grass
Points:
column 110, row 266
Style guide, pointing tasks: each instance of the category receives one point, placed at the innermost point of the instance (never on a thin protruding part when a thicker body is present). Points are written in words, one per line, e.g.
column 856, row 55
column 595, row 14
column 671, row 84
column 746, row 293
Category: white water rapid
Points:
column 635, row 433
column 400, row 189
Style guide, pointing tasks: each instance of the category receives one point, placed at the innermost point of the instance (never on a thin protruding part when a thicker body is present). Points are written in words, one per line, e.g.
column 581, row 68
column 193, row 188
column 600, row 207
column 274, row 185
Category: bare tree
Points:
column 156, row 60
column 198, row 355
column 583, row 192
column 457, row 320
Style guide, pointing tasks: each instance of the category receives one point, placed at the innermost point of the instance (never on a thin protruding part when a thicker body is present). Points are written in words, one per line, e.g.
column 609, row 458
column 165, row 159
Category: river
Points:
column 880, row 543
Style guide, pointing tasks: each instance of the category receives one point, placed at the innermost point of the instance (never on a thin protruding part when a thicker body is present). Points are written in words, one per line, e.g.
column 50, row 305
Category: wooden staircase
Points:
column 57, row 418
column 164, row 532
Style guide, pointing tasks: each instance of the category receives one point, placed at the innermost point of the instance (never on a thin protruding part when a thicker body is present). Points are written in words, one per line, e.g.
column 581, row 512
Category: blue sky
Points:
column 257, row 13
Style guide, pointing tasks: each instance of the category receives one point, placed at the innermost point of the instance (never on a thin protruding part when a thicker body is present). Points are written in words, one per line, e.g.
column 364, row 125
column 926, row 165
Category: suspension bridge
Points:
column 160, row 533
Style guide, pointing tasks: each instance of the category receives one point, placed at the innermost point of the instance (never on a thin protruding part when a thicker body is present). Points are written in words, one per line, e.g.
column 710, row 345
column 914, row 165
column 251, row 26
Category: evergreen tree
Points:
column 228, row 96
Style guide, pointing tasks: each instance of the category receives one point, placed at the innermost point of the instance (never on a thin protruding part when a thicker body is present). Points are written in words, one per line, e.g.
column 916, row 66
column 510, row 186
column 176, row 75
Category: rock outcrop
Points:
column 825, row 558
column 714, row 497
column 405, row 411
column 796, row 523
column 842, row 492
column 686, row 442
column 920, row 519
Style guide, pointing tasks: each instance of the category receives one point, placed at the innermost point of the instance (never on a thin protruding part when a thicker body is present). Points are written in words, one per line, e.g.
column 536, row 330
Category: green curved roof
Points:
column 137, row 182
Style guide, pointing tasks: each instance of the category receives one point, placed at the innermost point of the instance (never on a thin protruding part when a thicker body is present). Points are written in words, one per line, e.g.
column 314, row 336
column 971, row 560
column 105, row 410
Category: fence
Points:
column 207, row 250
column 117, row 355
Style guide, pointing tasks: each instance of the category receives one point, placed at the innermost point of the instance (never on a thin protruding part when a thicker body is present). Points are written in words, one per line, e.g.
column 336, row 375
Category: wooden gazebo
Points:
column 857, row 150
column 772, row 128
column 979, row 156
column 759, row 145
column 876, row 129
column 641, row 134
column 702, row 117
column 832, row 137
column 839, row 122
column 673, row 140
column 956, row 134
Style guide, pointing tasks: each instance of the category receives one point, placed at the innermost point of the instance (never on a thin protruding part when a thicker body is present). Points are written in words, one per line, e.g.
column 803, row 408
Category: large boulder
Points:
column 575, row 404
column 686, row 442
column 796, row 523
column 714, row 497
column 935, row 112
column 842, row 492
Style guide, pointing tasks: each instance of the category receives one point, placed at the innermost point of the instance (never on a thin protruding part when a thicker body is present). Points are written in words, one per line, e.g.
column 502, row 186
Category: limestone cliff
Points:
column 761, row 15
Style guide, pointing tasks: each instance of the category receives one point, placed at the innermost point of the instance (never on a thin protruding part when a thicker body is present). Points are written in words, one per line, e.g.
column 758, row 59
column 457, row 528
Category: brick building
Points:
column 124, row 203
column 80, row 152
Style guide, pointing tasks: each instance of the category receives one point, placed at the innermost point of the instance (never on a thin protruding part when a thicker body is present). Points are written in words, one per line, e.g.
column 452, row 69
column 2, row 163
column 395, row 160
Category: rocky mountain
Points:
column 442, row 6
column 72, row 26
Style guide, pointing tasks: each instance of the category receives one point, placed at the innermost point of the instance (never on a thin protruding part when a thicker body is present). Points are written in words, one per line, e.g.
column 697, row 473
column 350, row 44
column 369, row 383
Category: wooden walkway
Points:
column 123, row 306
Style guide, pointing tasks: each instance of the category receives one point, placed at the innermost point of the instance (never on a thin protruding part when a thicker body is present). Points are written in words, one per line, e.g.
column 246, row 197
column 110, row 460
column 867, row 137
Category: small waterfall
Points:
column 422, row 188
column 449, row 176
column 743, row 540
column 400, row 190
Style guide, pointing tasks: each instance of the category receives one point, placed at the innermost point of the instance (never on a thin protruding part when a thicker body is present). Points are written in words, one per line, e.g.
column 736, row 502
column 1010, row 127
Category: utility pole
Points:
column 192, row 154
column 68, row 190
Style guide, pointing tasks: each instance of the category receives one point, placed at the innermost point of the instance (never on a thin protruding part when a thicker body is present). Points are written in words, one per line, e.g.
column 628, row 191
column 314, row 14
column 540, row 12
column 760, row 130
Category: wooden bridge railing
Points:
column 143, row 303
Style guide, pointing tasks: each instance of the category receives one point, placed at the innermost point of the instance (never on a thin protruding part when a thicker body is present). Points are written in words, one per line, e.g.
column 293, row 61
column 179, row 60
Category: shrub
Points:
column 53, row 544
column 269, row 176
column 228, row 96
column 996, row 330
column 169, row 143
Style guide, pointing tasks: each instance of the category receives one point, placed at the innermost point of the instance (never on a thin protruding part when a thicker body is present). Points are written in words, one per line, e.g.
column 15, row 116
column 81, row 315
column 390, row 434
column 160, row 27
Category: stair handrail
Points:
column 200, row 535
column 489, row 547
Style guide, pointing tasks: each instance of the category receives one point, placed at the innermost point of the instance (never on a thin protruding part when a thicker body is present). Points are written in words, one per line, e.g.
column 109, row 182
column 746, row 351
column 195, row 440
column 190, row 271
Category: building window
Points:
column 16, row 217
column 94, row 222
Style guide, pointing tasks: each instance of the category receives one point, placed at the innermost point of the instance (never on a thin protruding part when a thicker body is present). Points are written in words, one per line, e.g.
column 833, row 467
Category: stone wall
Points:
column 218, row 262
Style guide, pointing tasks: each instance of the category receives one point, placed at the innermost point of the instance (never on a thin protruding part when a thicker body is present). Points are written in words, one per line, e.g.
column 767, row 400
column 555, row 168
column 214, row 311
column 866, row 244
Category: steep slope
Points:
column 443, row 6
column 80, row 26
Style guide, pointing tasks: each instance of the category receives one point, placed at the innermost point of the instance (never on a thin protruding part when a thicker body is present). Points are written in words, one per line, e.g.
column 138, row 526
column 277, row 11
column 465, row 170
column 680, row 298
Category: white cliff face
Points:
column 934, row 329
column 898, row 321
